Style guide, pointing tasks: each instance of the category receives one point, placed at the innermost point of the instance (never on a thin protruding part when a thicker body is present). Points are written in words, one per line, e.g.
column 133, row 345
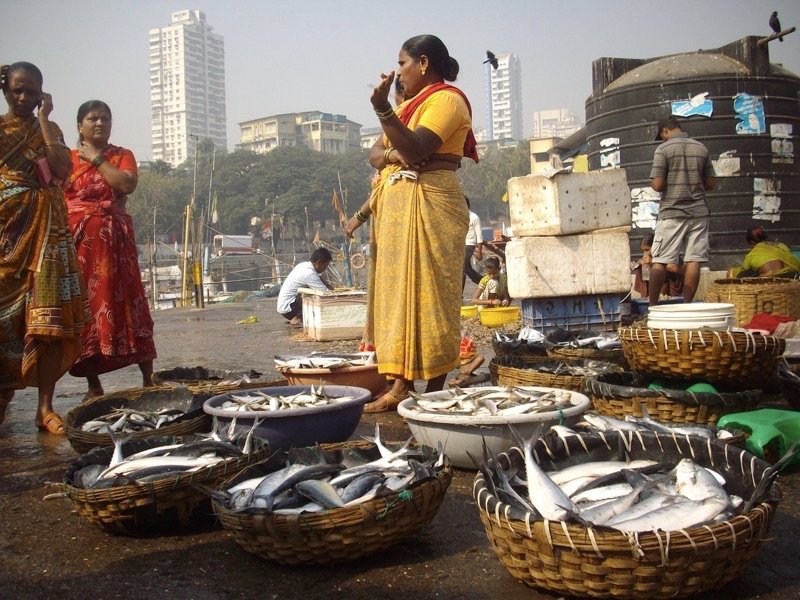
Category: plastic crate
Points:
column 598, row 312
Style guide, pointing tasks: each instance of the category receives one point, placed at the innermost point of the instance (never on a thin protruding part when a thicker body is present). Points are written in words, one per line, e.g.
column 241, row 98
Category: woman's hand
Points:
column 380, row 93
column 45, row 106
column 88, row 151
column 351, row 226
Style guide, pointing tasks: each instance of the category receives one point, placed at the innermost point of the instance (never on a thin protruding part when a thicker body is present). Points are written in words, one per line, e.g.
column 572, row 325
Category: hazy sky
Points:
column 323, row 55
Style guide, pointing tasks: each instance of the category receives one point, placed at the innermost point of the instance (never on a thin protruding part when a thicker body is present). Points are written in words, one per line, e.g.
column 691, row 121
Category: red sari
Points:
column 122, row 332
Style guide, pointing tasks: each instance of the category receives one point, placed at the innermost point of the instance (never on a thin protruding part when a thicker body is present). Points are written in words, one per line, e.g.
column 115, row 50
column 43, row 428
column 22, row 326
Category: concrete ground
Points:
column 47, row 550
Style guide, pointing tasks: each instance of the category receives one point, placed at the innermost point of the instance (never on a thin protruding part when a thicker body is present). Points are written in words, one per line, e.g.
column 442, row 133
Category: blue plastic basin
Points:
column 299, row 427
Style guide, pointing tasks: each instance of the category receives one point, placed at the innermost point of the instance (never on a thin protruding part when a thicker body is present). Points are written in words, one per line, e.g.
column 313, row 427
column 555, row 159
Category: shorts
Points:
column 689, row 235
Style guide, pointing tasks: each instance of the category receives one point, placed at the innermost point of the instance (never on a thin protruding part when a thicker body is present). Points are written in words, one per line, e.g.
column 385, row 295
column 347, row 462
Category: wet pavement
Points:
column 46, row 549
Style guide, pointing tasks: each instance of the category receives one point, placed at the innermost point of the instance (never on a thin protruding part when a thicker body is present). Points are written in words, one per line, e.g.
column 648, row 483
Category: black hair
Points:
column 6, row 70
column 647, row 239
column 438, row 56
column 88, row 106
column 756, row 235
column 467, row 199
column 492, row 263
column 321, row 255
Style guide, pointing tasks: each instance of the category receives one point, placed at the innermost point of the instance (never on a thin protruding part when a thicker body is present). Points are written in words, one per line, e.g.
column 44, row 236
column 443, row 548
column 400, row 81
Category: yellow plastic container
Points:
column 469, row 311
column 495, row 317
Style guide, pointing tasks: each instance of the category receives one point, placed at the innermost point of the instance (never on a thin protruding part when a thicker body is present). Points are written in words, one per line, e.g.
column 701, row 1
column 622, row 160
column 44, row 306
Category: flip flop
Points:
column 52, row 423
column 385, row 403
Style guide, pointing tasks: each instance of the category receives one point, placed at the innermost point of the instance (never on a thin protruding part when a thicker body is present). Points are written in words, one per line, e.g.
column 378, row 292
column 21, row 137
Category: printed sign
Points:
column 727, row 165
column 782, row 145
column 750, row 114
column 697, row 105
column 766, row 199
column 644, row 207
column 609, row 159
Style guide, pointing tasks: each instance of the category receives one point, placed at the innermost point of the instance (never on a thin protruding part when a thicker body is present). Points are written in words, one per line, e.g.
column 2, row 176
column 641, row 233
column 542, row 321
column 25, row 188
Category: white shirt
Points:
column 303, row 275
column 474, row 234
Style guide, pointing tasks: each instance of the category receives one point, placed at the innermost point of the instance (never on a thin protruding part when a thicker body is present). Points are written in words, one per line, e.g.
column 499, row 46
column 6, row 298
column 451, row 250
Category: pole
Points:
column 188, row 217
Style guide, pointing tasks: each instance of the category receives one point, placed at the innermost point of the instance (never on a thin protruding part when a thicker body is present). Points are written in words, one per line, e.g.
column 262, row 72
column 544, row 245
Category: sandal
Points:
column 52, row 423
column 385, row 403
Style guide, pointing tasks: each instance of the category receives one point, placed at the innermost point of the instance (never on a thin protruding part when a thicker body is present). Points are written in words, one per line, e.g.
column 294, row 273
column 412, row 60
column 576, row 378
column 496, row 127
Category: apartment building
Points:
column 320, row 131
column 555, row 123
column 504, row 99
column 187, row 87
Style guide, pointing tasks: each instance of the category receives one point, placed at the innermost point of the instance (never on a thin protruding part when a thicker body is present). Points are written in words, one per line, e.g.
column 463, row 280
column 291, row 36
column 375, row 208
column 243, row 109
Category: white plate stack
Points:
column 694, row 315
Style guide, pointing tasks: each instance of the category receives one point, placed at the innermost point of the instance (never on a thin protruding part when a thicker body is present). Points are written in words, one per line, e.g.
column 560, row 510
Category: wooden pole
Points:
column 775, row 36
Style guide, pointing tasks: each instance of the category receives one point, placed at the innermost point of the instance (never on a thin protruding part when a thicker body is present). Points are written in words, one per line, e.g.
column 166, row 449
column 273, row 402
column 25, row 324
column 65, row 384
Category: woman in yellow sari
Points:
column 42, row 313
column 766, row 258
column 420, row 220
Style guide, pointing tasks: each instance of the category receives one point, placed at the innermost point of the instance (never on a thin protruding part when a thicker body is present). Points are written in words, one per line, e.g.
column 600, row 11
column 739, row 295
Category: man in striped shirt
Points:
column 682, row 172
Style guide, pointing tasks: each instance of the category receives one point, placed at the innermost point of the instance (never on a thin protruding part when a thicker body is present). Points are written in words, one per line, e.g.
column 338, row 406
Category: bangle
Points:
column 52, row 144
column 98, row 160
column 386, row 117
column 360, row 217
column 386, row 154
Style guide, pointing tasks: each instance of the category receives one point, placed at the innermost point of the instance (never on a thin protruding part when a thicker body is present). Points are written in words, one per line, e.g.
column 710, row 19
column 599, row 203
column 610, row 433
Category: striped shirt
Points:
column 684, row 164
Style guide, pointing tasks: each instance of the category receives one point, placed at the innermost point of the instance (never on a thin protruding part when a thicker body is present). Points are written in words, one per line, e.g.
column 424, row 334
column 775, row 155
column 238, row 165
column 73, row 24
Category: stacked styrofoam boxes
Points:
column 570, row 260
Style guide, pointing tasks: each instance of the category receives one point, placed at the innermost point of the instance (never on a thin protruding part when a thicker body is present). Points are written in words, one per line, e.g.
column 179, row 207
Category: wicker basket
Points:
column 201, row 375
column 189, row 399
column 755, row 295
column 518, row 353
column 153, row 507
column 532, row 376
column 622, row 394
column 616, row 355
column 726, row 358
column 571, row 559
column 335, row 535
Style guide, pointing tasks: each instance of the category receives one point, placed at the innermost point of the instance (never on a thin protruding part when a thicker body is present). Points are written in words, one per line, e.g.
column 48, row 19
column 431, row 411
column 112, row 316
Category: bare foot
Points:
column 469, row 368
column 5, row 400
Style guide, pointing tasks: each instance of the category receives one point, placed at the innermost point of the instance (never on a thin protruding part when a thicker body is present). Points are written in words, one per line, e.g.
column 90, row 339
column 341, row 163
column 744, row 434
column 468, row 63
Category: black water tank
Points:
column 630, row 95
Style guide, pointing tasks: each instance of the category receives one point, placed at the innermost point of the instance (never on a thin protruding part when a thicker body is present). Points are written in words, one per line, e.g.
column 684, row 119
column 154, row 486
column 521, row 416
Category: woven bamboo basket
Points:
column 622, row 394
column 572, row 559
column 336, row 535
column 532, row 376
column 518, row 353
column 751, row 296
column 153, row 507
column 189, row 399
column 734, row 359
column 201, row 375
column 616, row 355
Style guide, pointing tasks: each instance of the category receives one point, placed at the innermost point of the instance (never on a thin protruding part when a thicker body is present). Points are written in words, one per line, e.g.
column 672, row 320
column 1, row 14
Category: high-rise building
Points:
column 187, row 87
column 557, row 123
column 504, row 99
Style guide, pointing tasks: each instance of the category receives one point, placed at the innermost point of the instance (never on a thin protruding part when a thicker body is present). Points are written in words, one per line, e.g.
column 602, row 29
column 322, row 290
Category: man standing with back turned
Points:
column 682, row 172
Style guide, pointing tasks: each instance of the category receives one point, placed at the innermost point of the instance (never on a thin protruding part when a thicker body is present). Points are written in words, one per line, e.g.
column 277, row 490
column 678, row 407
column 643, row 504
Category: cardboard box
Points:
column 569, row 203
column 330, row 315
column 569, row 265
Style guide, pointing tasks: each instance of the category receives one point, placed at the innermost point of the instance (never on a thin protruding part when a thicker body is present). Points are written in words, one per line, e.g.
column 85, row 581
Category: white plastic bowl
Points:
column 461, row 436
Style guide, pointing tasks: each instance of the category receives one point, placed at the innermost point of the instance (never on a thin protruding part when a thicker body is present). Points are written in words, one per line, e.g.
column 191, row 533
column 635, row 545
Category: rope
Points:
column 404, row 496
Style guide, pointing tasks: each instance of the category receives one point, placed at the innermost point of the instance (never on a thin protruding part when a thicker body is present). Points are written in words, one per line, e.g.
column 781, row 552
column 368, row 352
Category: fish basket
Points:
column 751, row 296
column 190, row 400
column 497, row 317
column 572, row 559
column 512, row 376
column 621, row 394
column 616, row 355
column 199, row 376
column 336, row 535
column 154, row 507
column 738, row 359
column 518, row 353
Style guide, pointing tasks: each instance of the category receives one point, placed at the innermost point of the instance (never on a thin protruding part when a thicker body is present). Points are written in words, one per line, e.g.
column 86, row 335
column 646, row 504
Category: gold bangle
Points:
column 384, row 113
column 360, row 217
column 386, row 154
column 51, row 144
column 387, row 117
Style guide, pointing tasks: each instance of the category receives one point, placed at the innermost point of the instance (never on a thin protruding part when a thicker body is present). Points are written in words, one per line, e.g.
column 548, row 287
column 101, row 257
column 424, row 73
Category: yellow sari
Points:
column 41, row 288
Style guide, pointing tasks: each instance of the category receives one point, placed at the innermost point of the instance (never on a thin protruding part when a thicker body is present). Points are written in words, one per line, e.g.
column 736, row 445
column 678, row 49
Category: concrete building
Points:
column 187, row 87
column 559, row 122
column 504, row 99
column 323, row 132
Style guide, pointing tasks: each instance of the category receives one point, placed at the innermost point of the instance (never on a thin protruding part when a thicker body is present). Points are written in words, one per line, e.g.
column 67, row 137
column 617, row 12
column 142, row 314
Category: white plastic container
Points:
column 569, row 265
column 569, row 203
column 329, row 315
column 462, row 436
column 694, row 315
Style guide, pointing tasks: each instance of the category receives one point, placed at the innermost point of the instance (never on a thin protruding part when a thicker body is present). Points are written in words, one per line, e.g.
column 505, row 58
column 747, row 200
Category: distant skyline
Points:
column 286, row 57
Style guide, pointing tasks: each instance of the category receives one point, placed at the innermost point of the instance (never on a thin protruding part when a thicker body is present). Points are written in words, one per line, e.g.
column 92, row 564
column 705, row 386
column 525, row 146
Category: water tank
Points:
column 757, row 173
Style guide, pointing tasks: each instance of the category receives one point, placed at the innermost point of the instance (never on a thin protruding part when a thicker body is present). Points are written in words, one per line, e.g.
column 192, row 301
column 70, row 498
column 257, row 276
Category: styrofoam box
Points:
column 329, row 315
column 569, row 203
column 569, row 265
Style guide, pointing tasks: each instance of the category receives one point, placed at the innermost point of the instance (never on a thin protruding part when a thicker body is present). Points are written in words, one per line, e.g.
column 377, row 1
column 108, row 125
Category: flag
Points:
column 504, row 197
column 214, row 212
column 337, row 206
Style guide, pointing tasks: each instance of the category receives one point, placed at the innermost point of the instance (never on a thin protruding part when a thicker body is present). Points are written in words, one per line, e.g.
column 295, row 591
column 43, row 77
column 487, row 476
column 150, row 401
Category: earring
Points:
column 422, row 70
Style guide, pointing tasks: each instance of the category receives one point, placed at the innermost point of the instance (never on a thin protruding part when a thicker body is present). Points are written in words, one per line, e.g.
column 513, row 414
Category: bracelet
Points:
column 360, row 217
column 386, row 154
column 384, row 113
column 386, row 117
column 52, row 144
column 98, row 160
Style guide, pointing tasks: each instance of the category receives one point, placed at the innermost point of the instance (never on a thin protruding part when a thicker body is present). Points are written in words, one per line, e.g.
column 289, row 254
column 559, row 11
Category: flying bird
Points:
column 775, row 24
column 491, row 59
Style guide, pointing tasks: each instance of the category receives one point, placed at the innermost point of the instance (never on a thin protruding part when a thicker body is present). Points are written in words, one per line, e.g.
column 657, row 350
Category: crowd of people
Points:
column 71, row 297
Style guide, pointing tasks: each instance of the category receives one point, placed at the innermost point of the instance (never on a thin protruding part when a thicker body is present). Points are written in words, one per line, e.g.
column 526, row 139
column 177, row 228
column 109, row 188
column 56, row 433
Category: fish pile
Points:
column 256, row 400
column 314, row 479
column 325, row 360
column 630, row 496
column 493, row 401
column 128, row 420
column 585, row 368
column 646, row 423
column 585, row 339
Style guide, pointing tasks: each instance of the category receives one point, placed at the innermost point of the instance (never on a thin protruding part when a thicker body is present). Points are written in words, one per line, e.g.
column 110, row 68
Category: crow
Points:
column 775, row 24
column 491, row 59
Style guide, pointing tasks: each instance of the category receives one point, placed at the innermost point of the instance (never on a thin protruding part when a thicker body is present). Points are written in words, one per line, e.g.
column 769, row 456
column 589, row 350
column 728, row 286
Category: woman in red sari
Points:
column 102, row 177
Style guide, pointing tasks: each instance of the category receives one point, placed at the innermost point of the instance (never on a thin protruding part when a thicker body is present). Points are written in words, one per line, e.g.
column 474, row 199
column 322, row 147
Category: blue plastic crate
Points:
column 599, row 312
